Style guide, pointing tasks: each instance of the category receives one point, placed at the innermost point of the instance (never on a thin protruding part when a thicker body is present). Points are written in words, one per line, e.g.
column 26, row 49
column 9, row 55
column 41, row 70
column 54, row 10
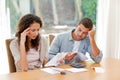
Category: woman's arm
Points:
column 23, row 58
column 44, row 50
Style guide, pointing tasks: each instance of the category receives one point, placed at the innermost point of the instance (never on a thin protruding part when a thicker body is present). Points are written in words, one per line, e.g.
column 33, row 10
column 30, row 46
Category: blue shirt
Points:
column 64, row 42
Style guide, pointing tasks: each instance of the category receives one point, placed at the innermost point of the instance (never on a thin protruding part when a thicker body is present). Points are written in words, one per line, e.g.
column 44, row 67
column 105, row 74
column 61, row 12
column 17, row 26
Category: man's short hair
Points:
column 87, row 22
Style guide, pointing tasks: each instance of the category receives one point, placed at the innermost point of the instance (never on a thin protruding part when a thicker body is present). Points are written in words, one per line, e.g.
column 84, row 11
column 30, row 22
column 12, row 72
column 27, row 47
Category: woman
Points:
column 29, row 48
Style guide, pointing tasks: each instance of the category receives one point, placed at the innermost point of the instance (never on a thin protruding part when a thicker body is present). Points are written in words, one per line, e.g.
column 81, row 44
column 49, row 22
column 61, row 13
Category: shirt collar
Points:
column 70, row 34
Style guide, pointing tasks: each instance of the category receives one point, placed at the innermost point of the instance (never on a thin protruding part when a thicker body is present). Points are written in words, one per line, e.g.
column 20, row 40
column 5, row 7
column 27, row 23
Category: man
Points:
column 76, row 42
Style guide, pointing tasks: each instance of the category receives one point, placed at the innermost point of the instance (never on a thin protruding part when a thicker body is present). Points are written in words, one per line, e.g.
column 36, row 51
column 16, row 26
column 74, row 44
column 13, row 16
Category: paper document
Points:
column 54, row 61
column 76, row 69
column 52, row 70
column 49, row 70
column 99, row 69
column 82, row 56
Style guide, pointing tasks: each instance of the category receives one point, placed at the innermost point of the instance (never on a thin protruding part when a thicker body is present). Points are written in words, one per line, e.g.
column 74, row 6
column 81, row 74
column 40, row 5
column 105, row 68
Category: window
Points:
column 57, row 15
column 59, row 12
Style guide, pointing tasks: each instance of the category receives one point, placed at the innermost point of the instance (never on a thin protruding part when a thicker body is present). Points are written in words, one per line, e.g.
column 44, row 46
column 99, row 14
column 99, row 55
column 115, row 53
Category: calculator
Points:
column 77, row 65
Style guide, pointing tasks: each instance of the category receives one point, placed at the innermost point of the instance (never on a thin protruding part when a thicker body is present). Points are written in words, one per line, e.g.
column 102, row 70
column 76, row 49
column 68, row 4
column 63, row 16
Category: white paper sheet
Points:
column 52, row 70
column 82, row 56
column 99, row 69
column 54, row 61
column 49, row 70
column 76, row 69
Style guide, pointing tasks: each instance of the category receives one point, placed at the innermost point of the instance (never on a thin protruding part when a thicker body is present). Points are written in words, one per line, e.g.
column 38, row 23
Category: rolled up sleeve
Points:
column 97, row 58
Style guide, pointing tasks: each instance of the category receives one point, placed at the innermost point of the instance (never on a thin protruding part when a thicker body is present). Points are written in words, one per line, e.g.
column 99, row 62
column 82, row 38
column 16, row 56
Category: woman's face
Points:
column 34, row 30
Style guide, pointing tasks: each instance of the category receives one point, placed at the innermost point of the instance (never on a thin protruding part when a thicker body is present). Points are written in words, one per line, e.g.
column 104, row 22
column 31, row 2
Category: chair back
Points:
column 51, row 37
column 12, row 67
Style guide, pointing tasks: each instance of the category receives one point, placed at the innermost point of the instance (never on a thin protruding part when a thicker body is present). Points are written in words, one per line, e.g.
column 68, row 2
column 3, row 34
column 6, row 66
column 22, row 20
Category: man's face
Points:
column 81, row 32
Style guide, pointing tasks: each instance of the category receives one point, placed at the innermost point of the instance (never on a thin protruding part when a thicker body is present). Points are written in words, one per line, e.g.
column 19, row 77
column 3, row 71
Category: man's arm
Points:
column 55, row 48
column 95, row 49
column 96, row 53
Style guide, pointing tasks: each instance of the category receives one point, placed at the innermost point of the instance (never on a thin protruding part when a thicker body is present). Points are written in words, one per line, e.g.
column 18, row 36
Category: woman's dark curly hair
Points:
column 23, row 24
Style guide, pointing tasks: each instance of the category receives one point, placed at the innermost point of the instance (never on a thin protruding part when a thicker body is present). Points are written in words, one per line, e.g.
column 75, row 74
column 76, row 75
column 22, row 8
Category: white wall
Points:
column 4, row 33
column 108, row 26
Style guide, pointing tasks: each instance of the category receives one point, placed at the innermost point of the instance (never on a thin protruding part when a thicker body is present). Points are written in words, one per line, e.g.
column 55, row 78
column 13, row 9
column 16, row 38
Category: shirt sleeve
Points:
column 15, row 50
column 44, row 49
column 98, row 58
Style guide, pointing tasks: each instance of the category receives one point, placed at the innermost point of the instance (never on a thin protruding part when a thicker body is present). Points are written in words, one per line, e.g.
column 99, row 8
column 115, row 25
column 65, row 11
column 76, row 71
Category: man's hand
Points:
column 69, row 56
column 91, row 33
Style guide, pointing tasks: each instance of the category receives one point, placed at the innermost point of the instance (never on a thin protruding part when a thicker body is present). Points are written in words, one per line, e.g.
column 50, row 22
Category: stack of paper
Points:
column 52, row 70
column 58, row 70
column 99, row 69
column 76, row 69
column 54, row 61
